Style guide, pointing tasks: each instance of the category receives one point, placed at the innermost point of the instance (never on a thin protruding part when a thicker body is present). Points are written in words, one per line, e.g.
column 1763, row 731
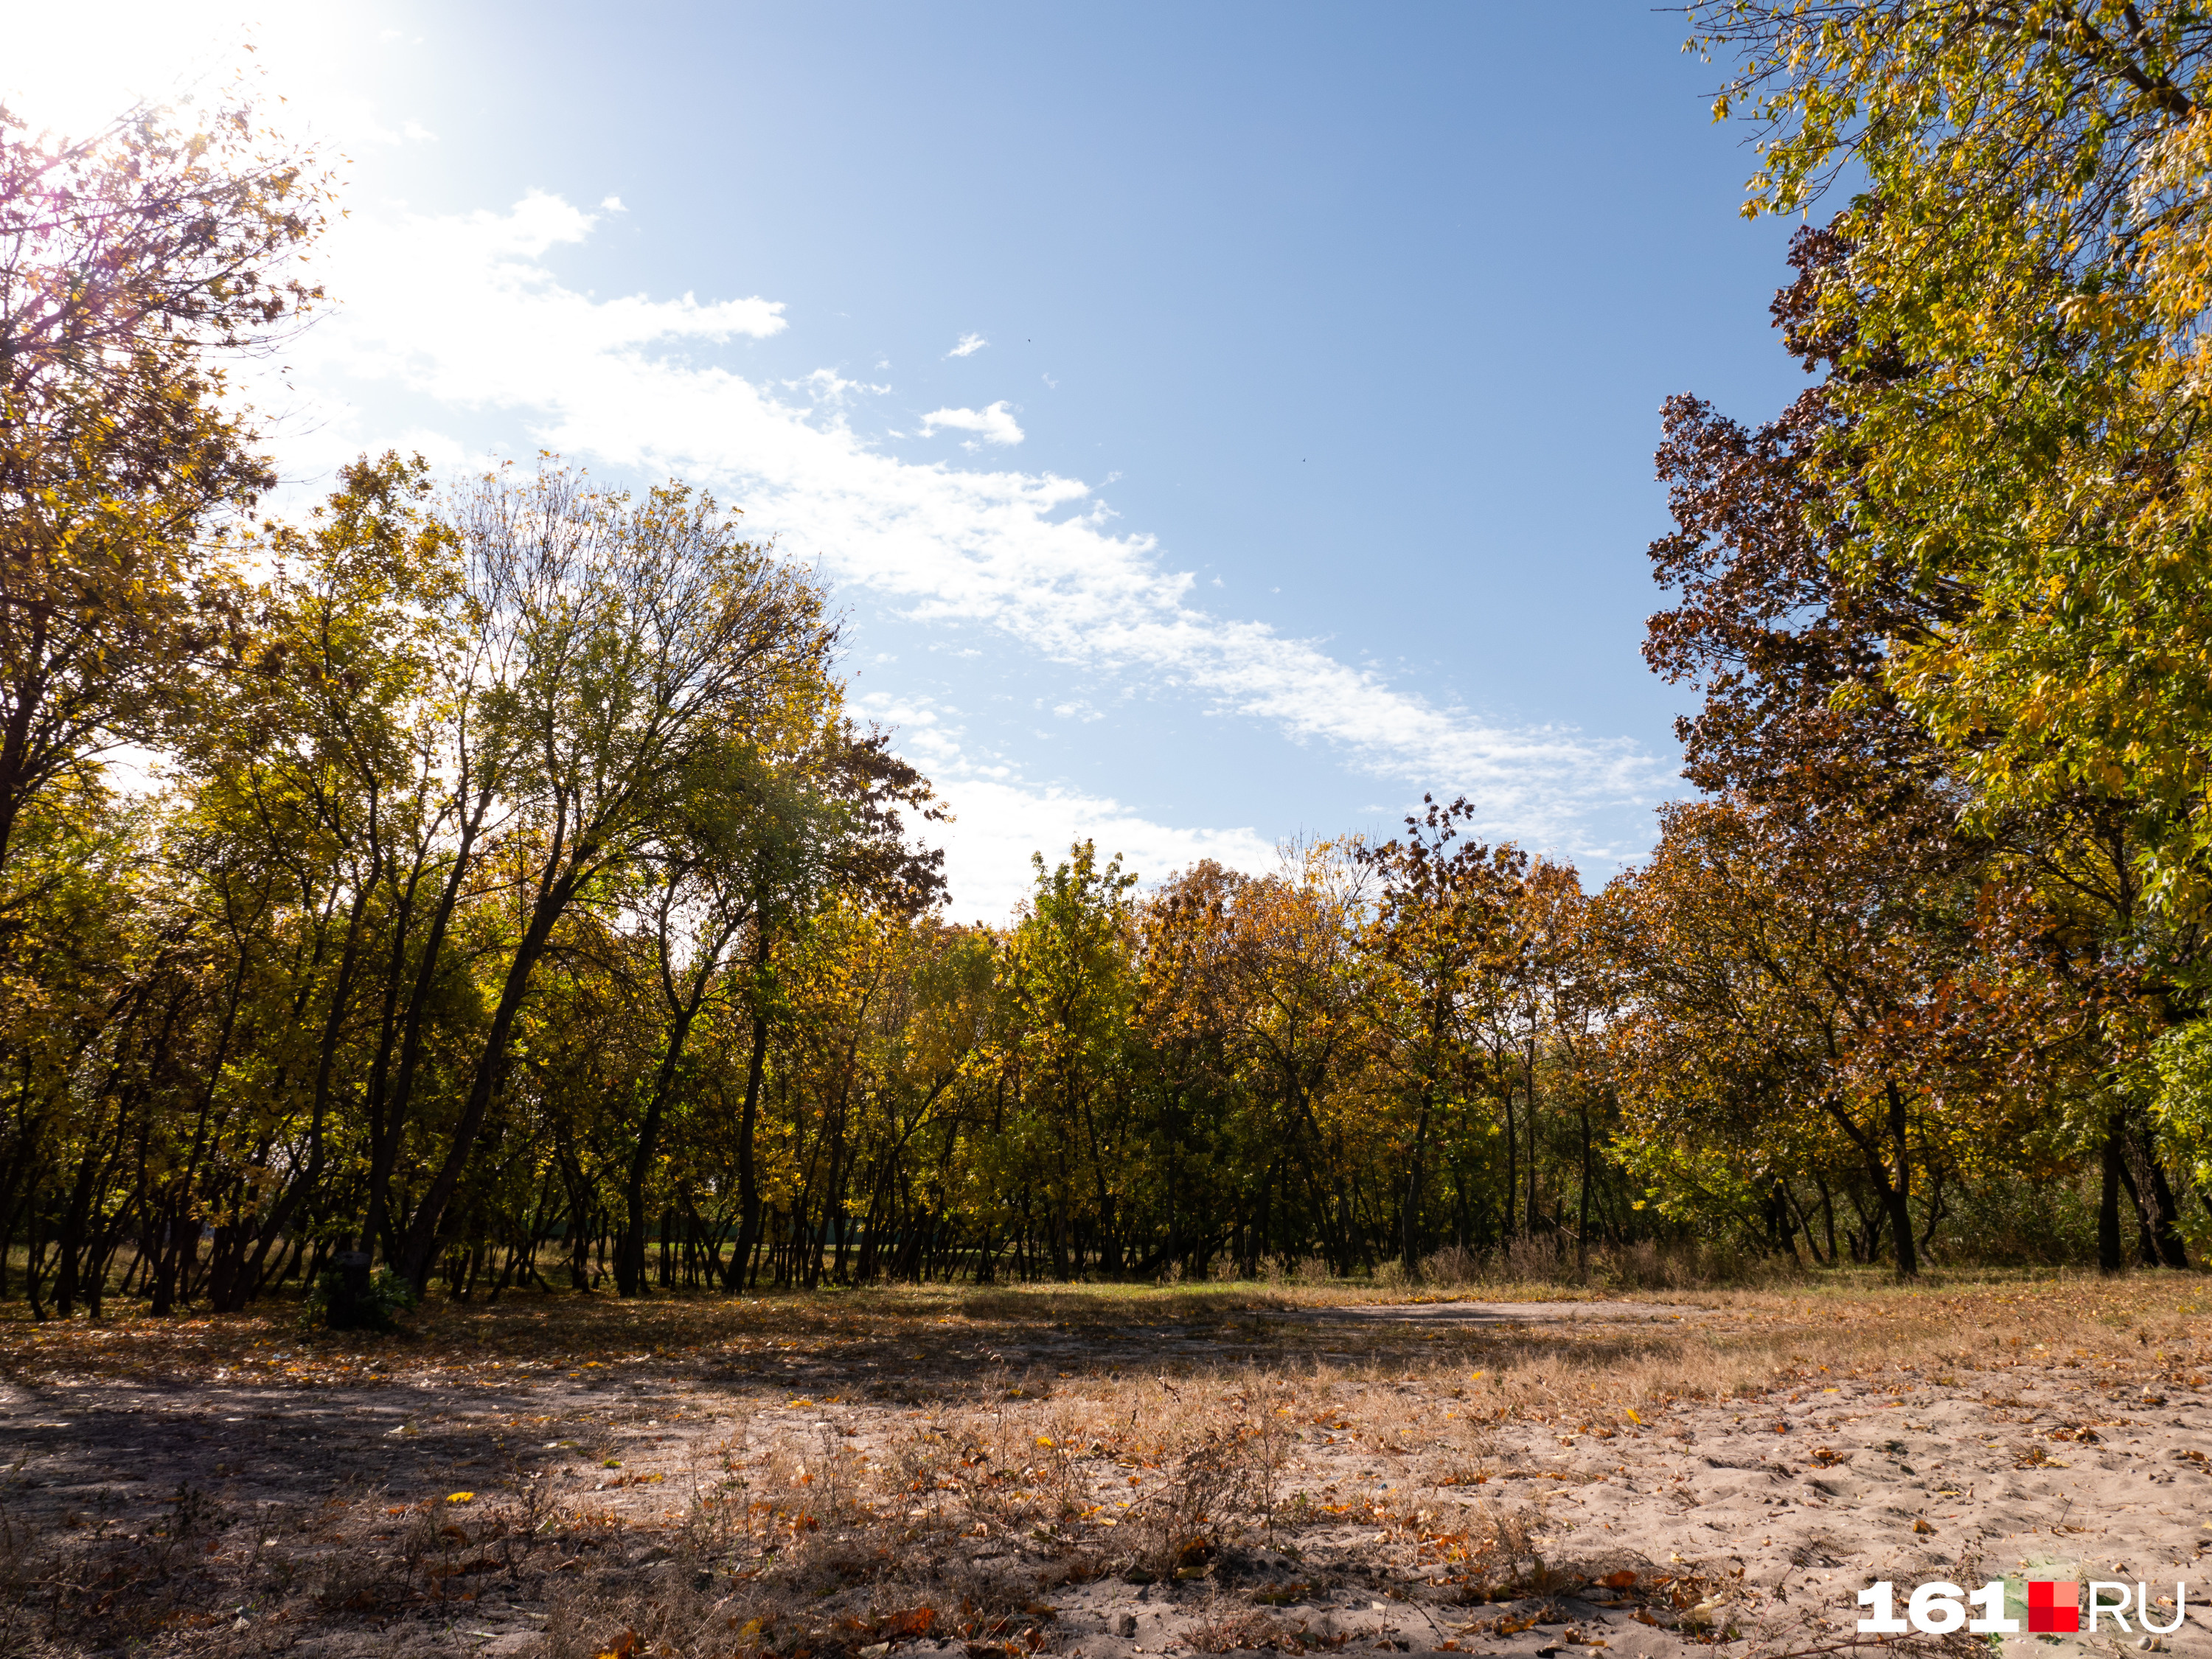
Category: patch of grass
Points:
column 844, row 1463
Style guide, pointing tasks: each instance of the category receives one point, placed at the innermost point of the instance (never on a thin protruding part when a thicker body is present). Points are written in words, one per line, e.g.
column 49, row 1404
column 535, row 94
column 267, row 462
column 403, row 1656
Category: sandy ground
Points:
column 977, row 1490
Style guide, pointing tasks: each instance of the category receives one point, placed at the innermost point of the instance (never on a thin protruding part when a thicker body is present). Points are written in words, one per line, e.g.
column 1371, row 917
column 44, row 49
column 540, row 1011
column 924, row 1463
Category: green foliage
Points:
column 523, row 900
column 2181, row 1063
column 328, row 1302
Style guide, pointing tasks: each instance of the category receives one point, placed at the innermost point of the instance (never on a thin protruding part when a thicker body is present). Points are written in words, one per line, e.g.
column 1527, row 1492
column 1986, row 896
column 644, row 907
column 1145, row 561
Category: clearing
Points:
column 1097, row 1470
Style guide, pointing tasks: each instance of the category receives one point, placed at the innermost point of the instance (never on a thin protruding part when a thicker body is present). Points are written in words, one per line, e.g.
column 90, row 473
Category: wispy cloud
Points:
column 464, row 310
column 993, row 424
column 969, row 346
column 1000, row 819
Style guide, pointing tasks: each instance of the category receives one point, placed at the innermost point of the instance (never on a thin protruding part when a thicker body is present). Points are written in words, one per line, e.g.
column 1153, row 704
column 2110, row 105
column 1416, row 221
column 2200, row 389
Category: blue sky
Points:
column 1218, row 423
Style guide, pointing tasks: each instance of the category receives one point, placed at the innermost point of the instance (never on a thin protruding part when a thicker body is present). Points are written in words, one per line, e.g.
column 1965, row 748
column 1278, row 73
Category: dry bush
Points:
column 1689, row 1265
column 1497, row 1551
column 1528, row 1262
column 1231, row 1629
column 1208, row 1485
column 667, row 1616
column 1452, row 1265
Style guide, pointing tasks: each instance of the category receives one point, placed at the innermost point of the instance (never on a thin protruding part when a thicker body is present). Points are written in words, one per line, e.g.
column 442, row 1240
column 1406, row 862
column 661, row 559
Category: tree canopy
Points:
column 517, row 898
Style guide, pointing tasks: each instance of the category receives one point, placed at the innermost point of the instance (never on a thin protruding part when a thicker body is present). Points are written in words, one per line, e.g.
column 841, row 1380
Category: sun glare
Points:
column 166, row 53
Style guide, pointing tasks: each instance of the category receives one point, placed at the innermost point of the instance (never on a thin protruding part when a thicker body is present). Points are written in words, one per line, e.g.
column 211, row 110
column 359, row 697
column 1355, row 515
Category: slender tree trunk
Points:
column 1898, row 1193
column 2108, row 1206
column 419, row 1250
column 1512, row 1169
column 387, row 1110
column 1581, row 1220
column 2171, row 1245
column 749, row 1203
column 630, row 1258
column 249, row 1279
column 1409, row 1218
column 1529, row 1209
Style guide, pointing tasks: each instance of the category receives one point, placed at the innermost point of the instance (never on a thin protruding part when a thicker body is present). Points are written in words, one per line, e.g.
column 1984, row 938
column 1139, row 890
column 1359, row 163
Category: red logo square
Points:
column 2052, row 1607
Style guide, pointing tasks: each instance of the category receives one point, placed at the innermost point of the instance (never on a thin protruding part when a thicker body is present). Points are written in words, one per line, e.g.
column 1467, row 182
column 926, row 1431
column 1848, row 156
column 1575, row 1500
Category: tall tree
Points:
column 621, row 643
column 1444, row 928
column 133, row 264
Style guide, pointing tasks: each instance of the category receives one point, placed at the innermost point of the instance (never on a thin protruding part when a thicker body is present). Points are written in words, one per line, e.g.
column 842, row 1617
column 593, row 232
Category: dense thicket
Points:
column 511, row 897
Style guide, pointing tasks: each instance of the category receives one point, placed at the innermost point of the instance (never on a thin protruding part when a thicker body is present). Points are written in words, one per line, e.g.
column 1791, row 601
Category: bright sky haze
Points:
column 1219, row 424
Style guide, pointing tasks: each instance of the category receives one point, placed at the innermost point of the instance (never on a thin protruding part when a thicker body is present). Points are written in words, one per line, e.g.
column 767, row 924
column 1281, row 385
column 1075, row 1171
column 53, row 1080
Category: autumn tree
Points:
column 1443, row 929
column 1945, row 585
column 622, row 644
column 134, row 266
column 758, row 837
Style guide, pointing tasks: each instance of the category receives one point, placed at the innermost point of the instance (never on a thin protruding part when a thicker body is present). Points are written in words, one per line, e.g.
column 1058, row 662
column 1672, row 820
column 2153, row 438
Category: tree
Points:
column 757, row 838
column 1443, row 929
column 2015, row 420
column 130, row 264
column 621, row 645
column 1805, row 994
column 1066, row 973
column 1997, row 483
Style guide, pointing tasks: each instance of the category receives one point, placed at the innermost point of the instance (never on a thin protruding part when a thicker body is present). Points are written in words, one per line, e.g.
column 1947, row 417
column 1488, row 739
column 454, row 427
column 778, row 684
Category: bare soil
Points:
column 1097, row 1471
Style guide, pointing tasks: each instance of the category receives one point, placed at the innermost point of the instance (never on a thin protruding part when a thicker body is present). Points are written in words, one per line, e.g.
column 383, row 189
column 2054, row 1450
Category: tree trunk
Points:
column 748, row 1204
column 1512, row 1168
column 1581, row 1220
column 419, row 1251
column 1899, row 1191
column 2108, row 1206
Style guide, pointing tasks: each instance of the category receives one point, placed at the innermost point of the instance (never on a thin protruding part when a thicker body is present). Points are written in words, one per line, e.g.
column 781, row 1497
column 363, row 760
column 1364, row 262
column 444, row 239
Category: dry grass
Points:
column 860, row 1467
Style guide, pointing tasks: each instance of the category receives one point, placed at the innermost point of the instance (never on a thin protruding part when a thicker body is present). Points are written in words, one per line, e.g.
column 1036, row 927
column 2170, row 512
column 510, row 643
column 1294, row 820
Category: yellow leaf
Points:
column 460, row 1498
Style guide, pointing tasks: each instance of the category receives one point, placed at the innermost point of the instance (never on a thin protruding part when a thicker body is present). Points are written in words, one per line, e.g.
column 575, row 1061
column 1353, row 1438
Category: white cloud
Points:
column 464, row 310
column 969, row 346
column 1001, row 824
column 613, row 204
column 507, row 331
column 994, row 425
column 826, row 386
column 1000, row 820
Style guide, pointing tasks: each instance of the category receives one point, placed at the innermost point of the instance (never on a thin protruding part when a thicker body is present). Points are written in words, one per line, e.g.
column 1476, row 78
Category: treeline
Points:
column 489, row 876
